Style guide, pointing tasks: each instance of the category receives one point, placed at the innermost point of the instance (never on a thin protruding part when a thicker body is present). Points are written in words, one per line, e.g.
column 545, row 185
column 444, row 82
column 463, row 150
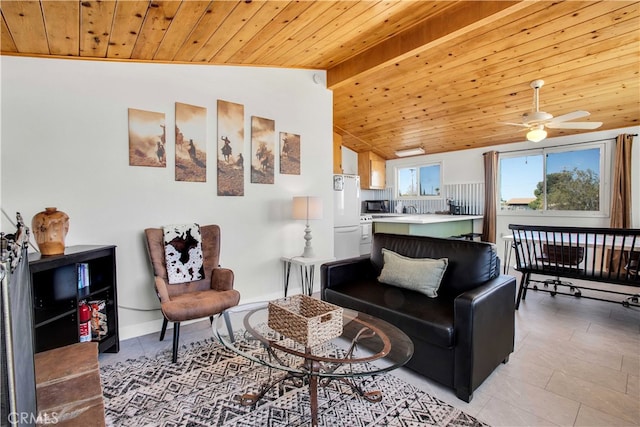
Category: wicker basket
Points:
column 308, row 321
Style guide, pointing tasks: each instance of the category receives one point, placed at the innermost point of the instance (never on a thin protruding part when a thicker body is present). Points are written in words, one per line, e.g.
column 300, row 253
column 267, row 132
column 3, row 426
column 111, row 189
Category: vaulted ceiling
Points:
column 444, row 75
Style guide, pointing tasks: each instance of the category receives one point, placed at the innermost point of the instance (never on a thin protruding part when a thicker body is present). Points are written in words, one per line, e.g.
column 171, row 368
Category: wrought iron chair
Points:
column 561, row 258
column 632, row 264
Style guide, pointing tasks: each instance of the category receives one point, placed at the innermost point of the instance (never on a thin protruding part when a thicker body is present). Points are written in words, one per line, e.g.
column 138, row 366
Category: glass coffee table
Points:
column 367, row 346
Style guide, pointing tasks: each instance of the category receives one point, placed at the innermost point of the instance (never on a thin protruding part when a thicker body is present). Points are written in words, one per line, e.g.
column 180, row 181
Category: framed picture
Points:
column 230, row 148
column 338, row 182
column 191, row 143
column 263, row 137
column 289, row 153
column 147, row 137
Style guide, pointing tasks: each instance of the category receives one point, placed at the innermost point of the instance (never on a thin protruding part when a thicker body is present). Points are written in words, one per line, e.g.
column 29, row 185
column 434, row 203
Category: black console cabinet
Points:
column 54, row 281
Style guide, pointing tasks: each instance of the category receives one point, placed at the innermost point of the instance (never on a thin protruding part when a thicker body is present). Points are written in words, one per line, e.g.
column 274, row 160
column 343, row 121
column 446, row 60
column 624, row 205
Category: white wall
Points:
column 65, row 144
column 466, row 166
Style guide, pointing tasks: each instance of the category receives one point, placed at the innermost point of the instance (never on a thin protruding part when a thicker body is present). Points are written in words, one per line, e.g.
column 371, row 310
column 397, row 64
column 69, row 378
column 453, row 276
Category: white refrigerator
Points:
column 346, row 215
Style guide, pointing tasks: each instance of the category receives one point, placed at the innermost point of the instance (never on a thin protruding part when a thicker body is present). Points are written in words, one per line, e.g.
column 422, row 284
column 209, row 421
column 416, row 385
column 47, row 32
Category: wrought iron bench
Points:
column 606, row 255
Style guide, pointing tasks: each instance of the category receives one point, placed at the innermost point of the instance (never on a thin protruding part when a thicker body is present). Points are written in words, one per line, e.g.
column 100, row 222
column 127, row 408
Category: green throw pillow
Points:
column 417, row 274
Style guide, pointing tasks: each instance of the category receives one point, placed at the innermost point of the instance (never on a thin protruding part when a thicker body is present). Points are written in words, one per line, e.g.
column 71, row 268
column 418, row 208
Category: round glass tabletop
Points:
column 366, row 346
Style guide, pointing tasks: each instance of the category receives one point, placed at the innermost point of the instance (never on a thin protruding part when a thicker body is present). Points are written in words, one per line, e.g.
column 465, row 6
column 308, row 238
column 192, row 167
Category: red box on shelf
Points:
column 99, row 327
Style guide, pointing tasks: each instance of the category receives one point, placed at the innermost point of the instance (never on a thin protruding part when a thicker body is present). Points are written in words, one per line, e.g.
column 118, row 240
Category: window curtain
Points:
column 621, row 191
column 621, row 196
column 490, row 196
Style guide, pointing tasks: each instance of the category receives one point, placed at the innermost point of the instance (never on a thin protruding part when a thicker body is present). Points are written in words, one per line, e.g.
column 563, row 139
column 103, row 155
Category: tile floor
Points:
column 576, row 363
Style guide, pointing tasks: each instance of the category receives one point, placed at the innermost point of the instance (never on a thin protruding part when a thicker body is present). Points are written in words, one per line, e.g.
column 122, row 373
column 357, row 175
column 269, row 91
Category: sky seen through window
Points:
column 520, row 175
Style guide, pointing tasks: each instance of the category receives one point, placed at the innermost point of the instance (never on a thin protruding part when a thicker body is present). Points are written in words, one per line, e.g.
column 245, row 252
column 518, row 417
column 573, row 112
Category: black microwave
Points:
column 375, row 206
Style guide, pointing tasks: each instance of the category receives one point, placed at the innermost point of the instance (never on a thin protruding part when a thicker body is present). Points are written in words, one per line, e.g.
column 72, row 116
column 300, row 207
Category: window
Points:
column 554, row 179
column 419, row 181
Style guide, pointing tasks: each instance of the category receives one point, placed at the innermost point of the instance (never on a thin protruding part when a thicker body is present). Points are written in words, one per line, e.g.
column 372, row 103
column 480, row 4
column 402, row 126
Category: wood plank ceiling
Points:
column 443, row 75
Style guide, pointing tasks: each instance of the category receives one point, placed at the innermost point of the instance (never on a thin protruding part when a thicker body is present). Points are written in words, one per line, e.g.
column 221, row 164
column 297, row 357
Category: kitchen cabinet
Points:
column 349, row 161
column 60, row 282
column 372, row 171
column 345, row 161
column 337, row 153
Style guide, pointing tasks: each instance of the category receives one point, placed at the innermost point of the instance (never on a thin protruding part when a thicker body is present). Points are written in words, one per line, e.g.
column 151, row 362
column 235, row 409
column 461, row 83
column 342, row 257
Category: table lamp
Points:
column 307, row 207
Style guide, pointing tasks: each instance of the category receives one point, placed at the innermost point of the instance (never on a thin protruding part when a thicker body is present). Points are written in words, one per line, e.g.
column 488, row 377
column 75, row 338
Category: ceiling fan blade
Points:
column 574, row 125
column 570, row 116
column 514, row 124
column 497, row 135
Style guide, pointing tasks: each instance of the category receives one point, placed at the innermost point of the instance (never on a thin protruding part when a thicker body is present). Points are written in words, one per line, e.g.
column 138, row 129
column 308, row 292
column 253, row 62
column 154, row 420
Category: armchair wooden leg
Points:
column 176, row 337
column 164, row 328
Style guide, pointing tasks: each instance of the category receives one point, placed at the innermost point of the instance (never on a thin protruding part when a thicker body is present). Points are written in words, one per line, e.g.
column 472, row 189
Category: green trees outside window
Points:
column 559, row 179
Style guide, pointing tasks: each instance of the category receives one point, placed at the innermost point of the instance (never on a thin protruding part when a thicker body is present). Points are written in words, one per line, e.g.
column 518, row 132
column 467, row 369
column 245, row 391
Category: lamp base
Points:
column 308, row 250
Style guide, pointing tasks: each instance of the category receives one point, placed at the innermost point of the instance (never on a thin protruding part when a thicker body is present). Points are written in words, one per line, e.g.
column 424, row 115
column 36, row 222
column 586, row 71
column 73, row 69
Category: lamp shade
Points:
column 537, row 134
column 307, row 207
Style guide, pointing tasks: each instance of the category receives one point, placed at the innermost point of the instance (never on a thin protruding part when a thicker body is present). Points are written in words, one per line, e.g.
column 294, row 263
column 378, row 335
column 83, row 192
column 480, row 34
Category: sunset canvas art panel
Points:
column 289, row 153
column 147, row 138
column 191, row 143
column 262, row 147
column 230, row 143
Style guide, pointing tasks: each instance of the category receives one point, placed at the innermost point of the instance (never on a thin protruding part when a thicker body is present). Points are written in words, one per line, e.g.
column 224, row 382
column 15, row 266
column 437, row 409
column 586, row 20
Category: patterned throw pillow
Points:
column 183, row 253
column 417, row 274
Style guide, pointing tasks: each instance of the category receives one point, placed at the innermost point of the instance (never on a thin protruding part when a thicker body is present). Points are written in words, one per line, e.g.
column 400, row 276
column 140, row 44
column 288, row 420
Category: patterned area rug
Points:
column 203, row 389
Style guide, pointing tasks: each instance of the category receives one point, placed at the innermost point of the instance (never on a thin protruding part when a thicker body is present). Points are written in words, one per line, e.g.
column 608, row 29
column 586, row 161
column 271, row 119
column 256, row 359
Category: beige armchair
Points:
column 191, row 300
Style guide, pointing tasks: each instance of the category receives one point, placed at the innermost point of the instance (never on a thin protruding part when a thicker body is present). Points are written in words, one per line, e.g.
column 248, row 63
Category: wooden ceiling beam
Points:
column 453, row 22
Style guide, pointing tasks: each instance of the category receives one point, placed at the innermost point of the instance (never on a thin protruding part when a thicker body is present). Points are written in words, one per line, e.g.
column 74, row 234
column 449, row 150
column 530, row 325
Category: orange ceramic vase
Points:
column 50, row 227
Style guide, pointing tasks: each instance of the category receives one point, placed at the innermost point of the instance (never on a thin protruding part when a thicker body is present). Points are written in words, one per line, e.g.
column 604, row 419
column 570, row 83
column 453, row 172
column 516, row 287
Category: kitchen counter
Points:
column 422, row 218
column 434, row 225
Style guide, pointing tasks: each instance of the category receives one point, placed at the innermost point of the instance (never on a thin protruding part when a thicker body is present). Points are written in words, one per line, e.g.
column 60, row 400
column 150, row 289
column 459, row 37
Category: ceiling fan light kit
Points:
column 537, row 120
column 410, row 152
column 537, row 134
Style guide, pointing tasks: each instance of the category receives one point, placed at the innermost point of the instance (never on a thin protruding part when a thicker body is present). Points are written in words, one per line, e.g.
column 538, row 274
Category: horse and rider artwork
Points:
column 289, row 153
column 230, row 148
column 262, row 146
column 191, row 143
column 148, row 146
column 147, row 139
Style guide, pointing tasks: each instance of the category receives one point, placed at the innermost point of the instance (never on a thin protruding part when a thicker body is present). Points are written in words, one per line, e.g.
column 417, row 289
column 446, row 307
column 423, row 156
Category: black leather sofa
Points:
column 460, row 336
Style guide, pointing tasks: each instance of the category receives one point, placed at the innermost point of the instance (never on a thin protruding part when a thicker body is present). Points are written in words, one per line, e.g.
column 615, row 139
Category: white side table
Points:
column 307, row 271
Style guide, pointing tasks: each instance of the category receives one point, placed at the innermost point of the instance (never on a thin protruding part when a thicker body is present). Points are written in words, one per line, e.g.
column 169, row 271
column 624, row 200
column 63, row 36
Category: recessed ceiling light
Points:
column 410, row 152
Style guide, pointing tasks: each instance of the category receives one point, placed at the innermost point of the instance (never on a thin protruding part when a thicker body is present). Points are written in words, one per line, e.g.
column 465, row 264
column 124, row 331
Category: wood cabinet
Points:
column 337, row 153
column 56, row 294
column 372, row 171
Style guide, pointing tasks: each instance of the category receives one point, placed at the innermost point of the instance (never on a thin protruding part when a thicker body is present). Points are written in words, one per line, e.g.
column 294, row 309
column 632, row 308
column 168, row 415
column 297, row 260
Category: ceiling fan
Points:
column 537, row 120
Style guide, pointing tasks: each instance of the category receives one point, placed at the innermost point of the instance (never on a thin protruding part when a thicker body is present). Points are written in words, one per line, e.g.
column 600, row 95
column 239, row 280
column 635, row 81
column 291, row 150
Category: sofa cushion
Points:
column 470, row 263
column 417, row 274
column 430, row 319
